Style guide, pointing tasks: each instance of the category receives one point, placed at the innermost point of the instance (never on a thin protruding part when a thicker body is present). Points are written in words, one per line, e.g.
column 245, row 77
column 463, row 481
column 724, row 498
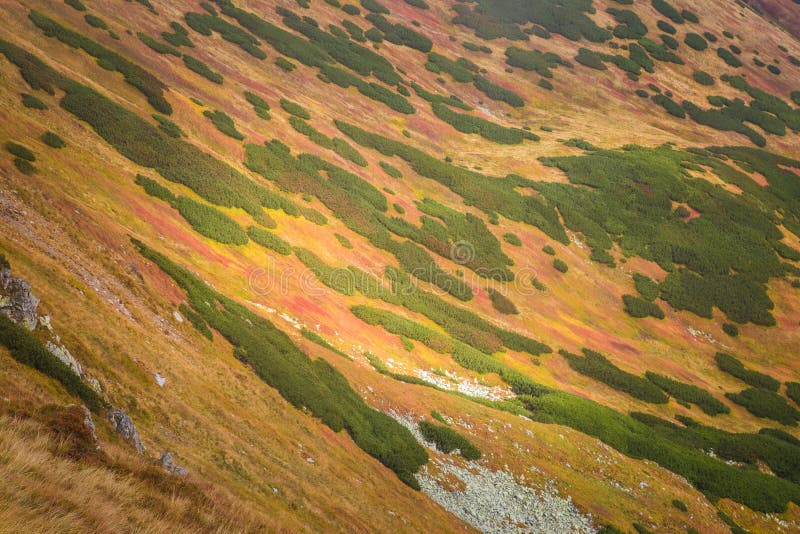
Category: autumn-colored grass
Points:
column 67, row 232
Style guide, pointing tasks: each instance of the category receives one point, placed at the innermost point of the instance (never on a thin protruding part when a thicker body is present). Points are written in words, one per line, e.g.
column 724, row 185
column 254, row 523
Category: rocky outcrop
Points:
column 61, row 352
column 168, row 462
column 16, row 300
column 122, row 424
column 89, row 423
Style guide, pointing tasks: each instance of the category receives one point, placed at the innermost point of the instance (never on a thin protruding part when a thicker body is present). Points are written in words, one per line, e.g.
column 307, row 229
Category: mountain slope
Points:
column 281, row 235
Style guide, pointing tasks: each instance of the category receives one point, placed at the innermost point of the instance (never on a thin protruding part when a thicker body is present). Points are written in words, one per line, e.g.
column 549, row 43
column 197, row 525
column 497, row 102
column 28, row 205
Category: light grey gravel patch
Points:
column 493, row 501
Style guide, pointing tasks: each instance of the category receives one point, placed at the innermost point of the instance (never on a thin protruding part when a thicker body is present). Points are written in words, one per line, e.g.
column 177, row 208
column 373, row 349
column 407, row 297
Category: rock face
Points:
column 124, row 427
column 16, row 300
column 61, row 352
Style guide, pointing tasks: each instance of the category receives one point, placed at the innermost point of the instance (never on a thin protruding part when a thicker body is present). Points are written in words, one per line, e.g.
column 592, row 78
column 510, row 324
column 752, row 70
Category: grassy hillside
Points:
column 569, row 232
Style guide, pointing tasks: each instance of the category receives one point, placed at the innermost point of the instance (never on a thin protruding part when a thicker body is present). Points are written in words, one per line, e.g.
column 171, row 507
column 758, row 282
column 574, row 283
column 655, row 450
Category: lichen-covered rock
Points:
column 16, row 300
column 61, row 352
column 89, row 423
column 168, row 462
column 124, row 427
column 160, row 380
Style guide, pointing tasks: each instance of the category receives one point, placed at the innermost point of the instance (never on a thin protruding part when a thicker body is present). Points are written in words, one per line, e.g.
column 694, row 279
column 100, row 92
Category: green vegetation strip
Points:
column 29, row 351
column 304, row 383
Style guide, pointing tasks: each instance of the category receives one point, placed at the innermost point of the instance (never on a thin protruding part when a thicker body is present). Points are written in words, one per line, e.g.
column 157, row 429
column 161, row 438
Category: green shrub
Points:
column 475, row 125
column 560, row 265
column 340, row 280
column 196, row 321
column 155, row 189
column 639, row 308
column 207, row 24
column 679, row 505
column 501, row 302
column 30, row 101
column 210, row 222
column 404, row 327
column 768, row 404
column 343, row 241
column 734, row 367
column 53, row 140
column 351, row 10
column 260, row 105
column 157, row 46
column 24, row 166
column 781, row 435
column 20, row 151
column 793, row 391
column 590, row 59
column 666, row 27
column 703, row 78
column 695, row 41
column 76, row 4
column 688, row 393
column 195, row 65
column 735, row 528
column 730, row 329
column 666, row 9
column 547, row 249
column 95, row 22
column 178, row 37
column 29, row 351
column 415, row 261
column 669, row 42
column 492, row 20
column 319, row 340
column 630, row 25
column 646, row 287
column 294, row 109
column 269, row 240
column 285, row 64
column 728, row 57
column 596, row 366
column 533, row 60
column 670, row 105
column 690, row 16
column 224, row 123
column 472, row 47
column 399, row 34
column 535, row 282
column 448, row 440
column 168, row 127
column 512, row 239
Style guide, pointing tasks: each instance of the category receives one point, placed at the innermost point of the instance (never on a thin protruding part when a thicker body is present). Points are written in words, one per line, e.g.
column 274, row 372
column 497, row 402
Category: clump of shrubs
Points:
column 53, row 140
column 448, row 440
column 501, row 302
column 768, row 404
column 732, row 366
column 595, row 365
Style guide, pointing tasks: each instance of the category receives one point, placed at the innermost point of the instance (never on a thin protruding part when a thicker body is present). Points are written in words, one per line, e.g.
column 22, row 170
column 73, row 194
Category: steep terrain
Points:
column 419, row 265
